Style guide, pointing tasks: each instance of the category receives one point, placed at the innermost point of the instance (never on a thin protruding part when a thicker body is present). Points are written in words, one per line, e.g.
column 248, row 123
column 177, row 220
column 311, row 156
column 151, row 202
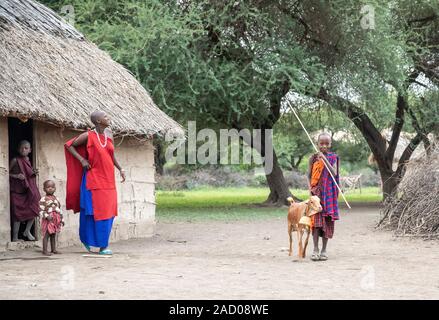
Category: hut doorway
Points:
column 19, row 130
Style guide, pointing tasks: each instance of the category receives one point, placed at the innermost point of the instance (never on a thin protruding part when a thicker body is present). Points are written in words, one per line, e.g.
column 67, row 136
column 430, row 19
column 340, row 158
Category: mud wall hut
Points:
column 51, row 79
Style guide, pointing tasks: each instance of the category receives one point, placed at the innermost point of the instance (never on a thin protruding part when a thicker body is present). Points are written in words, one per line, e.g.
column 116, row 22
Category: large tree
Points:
column 374, row 66
column 225, row 64
column 231, row 64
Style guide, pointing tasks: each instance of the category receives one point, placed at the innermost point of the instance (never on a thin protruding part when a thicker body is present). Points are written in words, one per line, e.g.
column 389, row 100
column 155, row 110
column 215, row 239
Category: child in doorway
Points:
column 321, row 184
column 51, row 217
column 24, row 191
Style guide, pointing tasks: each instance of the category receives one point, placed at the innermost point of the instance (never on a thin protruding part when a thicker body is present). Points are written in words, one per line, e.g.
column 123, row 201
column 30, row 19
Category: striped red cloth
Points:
column 328, row 194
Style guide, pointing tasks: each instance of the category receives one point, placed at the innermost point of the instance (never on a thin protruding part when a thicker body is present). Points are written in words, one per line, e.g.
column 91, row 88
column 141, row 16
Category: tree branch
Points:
column 423, row 20
column 421, row 131
column 429, row 72
column 275, row 103
column 401, row 105
column 420, row 84
column 373, row 137
column 407, row 154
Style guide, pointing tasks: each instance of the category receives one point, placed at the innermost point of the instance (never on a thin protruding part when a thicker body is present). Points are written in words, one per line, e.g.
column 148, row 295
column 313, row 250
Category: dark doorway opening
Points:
column 18, row 131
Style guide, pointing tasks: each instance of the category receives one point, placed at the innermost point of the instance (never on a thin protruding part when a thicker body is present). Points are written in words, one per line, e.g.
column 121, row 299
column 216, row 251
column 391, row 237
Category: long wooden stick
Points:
column 317, row 150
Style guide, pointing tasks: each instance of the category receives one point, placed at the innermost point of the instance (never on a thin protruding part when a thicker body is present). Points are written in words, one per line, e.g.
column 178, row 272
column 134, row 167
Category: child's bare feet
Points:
column 29, row 236
column 56, row 252
column 46, row 253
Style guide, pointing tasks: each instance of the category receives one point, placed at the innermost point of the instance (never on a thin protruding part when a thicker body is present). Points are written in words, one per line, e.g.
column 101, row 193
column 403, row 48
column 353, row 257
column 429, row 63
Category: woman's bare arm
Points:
column 79, row 141
column 116, row 163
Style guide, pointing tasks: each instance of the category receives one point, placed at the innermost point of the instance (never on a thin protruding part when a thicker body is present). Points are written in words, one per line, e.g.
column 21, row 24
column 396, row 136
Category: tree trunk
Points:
column 295, row 164
column 390, row 181
column 279, row 191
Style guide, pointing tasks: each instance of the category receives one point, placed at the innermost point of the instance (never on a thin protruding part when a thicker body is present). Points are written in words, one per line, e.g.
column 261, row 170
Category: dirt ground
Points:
column 235, row 260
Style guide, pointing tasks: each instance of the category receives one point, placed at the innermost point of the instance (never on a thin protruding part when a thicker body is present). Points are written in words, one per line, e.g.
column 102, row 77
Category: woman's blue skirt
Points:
column 91, row 232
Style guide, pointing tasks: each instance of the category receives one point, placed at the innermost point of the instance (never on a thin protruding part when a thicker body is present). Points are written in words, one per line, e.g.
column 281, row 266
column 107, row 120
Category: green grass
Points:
column 219, row 214
column 233, row 203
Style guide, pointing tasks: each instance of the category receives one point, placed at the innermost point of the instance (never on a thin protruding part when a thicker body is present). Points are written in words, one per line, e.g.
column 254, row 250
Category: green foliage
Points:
column 218, row 62
column 425, row 108
column 290, row 141
column 304, row 165
column 260, row 180
column 292, row 144
column 233, row 203
column 224, row 63
column 353, row 156
column 232, row 197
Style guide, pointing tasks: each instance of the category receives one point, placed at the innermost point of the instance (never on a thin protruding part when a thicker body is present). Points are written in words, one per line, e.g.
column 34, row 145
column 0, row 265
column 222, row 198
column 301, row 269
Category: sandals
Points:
column 103, row 252
column 315, row 256
column 87, row 247
column 319, row 257
column 106, row 252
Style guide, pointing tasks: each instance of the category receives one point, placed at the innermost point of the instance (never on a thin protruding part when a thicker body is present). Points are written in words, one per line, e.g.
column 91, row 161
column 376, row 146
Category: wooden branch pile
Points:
column 413, row 210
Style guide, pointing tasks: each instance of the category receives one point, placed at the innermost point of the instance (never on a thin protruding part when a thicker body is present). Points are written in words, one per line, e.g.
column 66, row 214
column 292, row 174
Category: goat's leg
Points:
column 306, row 242
column 290, row 230
column 299, row 240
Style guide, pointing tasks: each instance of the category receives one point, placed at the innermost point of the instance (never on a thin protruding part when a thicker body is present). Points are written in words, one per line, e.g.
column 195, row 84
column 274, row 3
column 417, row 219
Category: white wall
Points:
column 135, row 197
column 5, row 227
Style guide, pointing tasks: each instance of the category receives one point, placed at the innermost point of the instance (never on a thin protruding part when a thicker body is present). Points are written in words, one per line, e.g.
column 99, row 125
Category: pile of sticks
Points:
column 413, row 209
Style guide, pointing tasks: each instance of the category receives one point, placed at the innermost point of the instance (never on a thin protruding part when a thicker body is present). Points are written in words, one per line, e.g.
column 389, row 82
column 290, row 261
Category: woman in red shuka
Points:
column 91, row 186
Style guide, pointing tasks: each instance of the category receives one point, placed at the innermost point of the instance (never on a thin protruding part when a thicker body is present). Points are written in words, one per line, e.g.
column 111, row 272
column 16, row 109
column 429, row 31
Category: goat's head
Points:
column 315, row 206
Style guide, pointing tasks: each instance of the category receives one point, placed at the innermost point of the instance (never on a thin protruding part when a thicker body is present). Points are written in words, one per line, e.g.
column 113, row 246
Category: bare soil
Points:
column 232, row 260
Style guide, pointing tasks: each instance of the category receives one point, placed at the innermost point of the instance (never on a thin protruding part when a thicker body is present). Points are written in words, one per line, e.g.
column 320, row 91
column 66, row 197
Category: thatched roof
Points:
column 50, row 72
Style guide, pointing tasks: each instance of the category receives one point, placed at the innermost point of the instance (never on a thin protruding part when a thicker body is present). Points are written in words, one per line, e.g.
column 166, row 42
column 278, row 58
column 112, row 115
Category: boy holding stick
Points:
column 321, row 184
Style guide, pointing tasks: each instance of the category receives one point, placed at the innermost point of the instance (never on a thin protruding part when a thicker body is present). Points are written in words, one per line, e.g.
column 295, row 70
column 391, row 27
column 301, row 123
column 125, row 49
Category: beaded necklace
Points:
column 99, row 138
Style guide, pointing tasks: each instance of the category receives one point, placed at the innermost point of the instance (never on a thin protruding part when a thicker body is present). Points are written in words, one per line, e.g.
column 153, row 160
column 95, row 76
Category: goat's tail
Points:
column 290, row 200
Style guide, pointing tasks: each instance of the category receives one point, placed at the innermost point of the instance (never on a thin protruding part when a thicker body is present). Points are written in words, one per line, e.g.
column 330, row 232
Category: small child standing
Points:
column 51, row 217
column 322, row 185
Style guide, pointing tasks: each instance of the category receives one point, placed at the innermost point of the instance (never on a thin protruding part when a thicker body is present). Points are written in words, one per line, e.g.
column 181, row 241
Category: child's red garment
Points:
column 24, row 193
column 50, row 207
column 100, row 177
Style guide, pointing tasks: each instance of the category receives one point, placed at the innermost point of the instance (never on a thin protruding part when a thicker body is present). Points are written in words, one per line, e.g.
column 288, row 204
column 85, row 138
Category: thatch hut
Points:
column 51, row 79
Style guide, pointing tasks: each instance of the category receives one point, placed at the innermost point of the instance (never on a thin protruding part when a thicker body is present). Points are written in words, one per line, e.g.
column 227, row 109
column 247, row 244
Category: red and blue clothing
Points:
column 92, row 232
column 92, row 192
